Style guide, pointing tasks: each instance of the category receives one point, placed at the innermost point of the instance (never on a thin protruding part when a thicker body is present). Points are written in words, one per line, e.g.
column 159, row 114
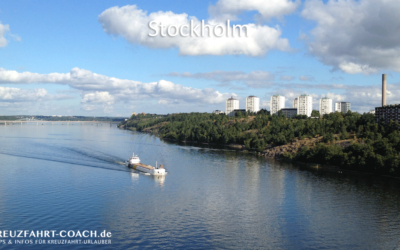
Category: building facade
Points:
column 289, row 112
column 218, row 112
column 277, row 103
column 304, row 105
column 387, row 113
column 343, row 107
column 231, row 105
column 295, row 102
column 253, row 104
column 325, row 106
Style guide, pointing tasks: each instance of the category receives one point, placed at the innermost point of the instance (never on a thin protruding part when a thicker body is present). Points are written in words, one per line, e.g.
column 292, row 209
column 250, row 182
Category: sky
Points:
column 96, row 58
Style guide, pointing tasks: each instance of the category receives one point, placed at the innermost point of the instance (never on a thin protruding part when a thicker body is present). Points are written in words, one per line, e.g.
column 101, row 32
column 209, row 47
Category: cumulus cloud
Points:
column 26, row 95
column 267, row 9
column 92, row 101
column 101, row 90
column 4, row 28
column 355, row 36
column 254, row 79
column 98, row 97
column 133, row 24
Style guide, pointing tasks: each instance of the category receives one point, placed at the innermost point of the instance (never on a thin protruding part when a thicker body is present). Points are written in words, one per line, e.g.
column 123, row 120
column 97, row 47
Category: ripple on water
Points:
column 61, row 178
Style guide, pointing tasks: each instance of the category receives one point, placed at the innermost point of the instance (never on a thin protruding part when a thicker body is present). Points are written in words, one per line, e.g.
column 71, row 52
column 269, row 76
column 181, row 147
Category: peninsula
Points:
column 350, row 141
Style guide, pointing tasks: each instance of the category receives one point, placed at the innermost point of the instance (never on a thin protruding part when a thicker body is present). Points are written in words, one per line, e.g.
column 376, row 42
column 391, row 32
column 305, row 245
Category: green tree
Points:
column 315, row 113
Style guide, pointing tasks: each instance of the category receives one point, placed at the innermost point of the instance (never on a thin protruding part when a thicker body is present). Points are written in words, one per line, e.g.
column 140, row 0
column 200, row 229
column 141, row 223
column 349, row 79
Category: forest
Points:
column 374, row 147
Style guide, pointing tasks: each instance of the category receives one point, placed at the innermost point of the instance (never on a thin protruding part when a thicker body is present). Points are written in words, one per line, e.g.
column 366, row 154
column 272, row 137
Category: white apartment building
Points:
column 231, row 105
column 304, row 105
column 277, row 103
column 295, row 101
column 325, row 106
column 343, row 107
column 252, row 104
column 218, row 112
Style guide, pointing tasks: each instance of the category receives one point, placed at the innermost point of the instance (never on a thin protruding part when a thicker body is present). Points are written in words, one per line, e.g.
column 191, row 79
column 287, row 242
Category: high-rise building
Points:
column 343, row 107
column 325, row 106
column 387, row 113
column 231, row 105
column 304, row 105
column 277, row 103
column 295, row 102
column 253, row 104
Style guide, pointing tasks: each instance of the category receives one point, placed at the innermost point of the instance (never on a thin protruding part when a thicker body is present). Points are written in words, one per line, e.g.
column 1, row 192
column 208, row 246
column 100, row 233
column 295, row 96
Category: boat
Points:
column 134, row 162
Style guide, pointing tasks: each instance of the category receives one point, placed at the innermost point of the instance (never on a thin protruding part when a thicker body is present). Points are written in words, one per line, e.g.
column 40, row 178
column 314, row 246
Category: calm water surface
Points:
column 73, row 178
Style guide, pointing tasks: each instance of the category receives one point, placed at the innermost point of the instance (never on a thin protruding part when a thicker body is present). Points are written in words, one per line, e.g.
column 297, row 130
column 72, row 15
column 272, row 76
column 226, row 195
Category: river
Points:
column 72, row 178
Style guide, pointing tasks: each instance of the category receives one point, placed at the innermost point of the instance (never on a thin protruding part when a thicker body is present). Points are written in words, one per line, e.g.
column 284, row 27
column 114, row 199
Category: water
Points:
column 73, row 178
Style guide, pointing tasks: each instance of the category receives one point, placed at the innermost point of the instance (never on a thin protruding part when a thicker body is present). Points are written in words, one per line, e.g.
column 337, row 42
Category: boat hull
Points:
column 147, row 169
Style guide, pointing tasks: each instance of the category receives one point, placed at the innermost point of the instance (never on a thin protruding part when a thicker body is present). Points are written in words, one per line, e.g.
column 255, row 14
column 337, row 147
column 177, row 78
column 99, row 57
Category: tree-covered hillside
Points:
column 372, row 147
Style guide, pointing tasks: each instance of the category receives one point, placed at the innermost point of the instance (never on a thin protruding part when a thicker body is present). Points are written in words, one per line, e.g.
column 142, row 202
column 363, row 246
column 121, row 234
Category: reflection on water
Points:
column 135, row 176
column 160, row 179
column 73, row 177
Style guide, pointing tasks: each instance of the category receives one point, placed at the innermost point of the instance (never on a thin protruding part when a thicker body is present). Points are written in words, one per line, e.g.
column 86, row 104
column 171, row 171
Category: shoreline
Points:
column 309, row 165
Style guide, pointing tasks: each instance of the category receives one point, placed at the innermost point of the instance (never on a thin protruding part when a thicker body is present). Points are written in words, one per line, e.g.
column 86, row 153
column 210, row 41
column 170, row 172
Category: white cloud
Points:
column 265, row 104
column 23, row 95
column 355, row 36
column 353, row 68
column 267, row 9
column 102, row 97
column 4, row 28
column 103, row 91
column 254, row 79
column 133, row 24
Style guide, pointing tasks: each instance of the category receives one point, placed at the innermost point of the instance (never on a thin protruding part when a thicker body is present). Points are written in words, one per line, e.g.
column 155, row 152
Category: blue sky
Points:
column 106, row 67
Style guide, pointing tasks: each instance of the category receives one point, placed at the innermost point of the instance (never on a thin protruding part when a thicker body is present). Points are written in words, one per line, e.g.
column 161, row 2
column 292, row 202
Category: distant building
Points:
column 289, row 112
column 277, row 103
column 343, row 107
column 387, row 113
column 231, row 105
column 325, row 106
column 239, row 110
column 218, row 112
column 253, row 104
column 133, row 113
column 295, row 102
column 371, row 112
column 304, row 105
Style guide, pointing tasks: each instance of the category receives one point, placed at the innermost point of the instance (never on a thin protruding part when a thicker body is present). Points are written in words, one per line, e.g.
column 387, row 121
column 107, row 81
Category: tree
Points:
column 328, row 137
column 315, row 113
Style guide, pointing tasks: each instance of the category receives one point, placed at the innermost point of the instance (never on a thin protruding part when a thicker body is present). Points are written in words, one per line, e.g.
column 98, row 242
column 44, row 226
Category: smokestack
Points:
column 383, row 90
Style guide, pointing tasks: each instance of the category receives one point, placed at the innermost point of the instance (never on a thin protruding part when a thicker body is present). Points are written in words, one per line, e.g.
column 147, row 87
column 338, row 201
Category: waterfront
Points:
column 73, row 178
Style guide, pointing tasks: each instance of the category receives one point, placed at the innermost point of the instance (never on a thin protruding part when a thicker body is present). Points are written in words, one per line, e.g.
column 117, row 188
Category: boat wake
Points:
column 73, row 157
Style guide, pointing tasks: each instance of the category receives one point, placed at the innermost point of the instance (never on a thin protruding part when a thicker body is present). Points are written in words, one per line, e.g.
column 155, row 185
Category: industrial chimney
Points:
column 383, row 90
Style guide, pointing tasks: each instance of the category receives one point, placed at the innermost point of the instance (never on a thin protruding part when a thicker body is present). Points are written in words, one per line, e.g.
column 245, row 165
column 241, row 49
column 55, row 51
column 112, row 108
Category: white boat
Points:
column 134, row 162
